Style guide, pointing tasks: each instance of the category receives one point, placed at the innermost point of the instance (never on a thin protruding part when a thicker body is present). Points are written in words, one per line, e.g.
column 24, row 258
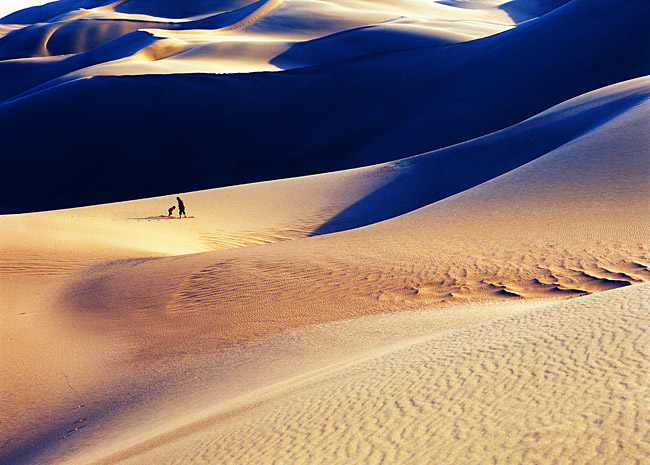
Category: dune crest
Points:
column 336, row 70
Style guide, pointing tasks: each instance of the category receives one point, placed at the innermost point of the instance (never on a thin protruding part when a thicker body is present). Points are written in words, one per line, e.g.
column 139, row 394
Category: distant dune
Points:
column 417, row 232
column 116, row 137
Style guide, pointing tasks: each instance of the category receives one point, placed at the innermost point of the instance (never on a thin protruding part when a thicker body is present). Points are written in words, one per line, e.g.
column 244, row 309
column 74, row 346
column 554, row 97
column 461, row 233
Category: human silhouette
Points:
column 181, row 208
column 171, row 209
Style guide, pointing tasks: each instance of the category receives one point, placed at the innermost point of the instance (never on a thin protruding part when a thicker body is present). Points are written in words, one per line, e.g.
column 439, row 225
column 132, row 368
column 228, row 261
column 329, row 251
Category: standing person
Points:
column 181, row 208
column 171, row 209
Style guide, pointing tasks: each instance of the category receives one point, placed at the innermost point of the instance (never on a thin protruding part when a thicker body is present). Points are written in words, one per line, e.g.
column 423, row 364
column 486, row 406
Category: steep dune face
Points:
column 368, row 118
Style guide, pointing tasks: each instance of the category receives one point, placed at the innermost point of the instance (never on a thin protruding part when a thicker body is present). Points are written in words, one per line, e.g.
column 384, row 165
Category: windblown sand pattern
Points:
column 560, row 383
column 418, row 232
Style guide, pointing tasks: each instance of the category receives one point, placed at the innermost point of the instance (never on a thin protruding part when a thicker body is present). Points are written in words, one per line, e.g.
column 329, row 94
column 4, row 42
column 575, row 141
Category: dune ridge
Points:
column 387, row 119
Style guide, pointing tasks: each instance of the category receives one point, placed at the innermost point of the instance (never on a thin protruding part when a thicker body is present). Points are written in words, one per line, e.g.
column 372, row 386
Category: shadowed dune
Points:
column 79, row 35
column 424, row 179
column 52, row 11
column 369, row 119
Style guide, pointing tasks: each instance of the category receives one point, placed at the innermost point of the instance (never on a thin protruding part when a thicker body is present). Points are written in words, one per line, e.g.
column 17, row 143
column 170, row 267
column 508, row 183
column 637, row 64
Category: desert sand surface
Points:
column 417, row 232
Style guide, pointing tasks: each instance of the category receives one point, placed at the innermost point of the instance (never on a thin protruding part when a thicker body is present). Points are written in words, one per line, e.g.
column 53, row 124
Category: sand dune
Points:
column 573, row 228
column 445, row 257
column 531, row 388
column 369, row 120
column 82, row 30
column 567, row 233
column 320, row 204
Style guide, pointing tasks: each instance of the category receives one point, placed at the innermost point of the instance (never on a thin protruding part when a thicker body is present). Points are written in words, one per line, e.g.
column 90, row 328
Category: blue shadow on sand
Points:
column 424, row 179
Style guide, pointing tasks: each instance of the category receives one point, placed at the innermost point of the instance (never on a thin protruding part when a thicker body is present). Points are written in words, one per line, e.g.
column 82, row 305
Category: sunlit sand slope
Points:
column 568, row 223
column 565, row 383
column 565, row 224
column 315, row 205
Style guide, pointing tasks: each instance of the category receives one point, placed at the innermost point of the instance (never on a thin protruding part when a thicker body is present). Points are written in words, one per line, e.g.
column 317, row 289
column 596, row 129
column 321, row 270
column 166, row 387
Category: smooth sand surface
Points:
column 482, row 300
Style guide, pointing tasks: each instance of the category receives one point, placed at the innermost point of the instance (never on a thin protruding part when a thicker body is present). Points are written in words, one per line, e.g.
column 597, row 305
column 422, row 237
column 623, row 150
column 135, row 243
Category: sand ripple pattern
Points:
column 277, row 290
column 266, row 279
column 567, row 383
column 35, row 265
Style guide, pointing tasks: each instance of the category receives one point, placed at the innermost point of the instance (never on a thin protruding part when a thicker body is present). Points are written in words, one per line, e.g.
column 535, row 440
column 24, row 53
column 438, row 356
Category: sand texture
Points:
column 561, row 383
column 417, row 232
